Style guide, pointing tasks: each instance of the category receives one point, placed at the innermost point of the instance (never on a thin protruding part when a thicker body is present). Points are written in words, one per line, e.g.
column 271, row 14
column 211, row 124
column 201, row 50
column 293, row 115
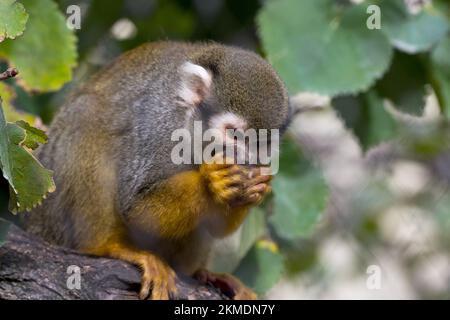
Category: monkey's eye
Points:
column 229, row 126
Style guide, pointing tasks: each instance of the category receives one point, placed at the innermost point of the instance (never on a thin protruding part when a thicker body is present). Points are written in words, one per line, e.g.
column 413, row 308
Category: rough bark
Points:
column 33, row 269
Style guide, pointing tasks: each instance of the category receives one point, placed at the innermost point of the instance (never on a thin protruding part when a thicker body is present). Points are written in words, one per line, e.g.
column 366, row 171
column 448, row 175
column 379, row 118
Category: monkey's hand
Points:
column 235, row 185
column 227, row 284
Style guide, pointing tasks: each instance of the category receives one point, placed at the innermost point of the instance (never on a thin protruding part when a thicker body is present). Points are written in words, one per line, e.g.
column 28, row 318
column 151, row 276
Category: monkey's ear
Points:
column 195, row 84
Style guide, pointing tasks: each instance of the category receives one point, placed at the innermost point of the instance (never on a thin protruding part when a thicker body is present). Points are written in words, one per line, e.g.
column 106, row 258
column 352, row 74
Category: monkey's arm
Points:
column 177, row 205
column 175, row 208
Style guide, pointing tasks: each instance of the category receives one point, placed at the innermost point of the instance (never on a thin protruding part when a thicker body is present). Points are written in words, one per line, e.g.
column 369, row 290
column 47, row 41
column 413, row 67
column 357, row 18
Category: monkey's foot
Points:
column 236, row 185
column 226, row 283
column 158, row 279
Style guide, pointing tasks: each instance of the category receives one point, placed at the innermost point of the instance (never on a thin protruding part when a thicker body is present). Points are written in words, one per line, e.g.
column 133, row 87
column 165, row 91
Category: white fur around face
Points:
column 191, row 69
column 227, row 120
column 228, row 124
column 195, row 83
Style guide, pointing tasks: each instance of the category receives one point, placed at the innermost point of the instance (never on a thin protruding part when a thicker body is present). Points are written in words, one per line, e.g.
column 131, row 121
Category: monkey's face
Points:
column 235, row 134
column 227, row 80
column 238, row 96
column 255, row 96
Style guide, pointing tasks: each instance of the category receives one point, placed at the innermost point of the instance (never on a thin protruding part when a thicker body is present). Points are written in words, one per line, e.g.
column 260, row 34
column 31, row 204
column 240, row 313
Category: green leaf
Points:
column 8, row 94
column 262, row 267
column 46, row 53
column 300, row 195
column 442, row 84
column 443, row 6
column 382, row 126
column 412, row 33
column 298, row 205
column 440, row 207
column 33, row 137
column 366, row 116
column 405, row 83
column 440, row 65
column 254, row 227
column 441, row 55
column 4, row 226
column 350, row 109
column 319, row 46
column 13, row 19
column 29, row 181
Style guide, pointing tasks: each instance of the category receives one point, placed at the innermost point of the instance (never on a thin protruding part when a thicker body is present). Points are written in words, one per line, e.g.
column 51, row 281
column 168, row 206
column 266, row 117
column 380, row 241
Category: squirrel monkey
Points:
column 118, row 192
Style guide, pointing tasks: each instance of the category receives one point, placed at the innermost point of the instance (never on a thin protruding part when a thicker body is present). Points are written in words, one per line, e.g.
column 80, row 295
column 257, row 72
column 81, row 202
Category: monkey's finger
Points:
column 258, row 180
column 255, row 198
column 258, row 188
column 159, row 290
column 222, row 173
column 228, row 194
column 172, row 288
column 254, row 194
column 171, row 283
column 258, row 171
column 247, row 200
column 225, row 184
column 146, row 283
column 236, row 180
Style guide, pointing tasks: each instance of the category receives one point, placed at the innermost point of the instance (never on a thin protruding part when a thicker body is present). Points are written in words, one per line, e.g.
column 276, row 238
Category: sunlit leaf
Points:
column 12, row 114
column 46, row 53
column 13, row 19
column 33, row 137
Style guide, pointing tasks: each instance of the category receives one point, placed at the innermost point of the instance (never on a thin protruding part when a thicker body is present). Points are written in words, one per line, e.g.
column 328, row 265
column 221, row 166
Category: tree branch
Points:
column 9, row 73
column 33, row 269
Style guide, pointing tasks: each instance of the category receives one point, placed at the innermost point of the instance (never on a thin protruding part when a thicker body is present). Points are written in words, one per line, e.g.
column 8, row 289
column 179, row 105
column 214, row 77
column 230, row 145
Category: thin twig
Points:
column 9, row 73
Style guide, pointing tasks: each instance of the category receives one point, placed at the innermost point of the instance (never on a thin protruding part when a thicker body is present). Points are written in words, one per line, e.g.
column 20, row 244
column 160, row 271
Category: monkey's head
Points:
column 230, row 88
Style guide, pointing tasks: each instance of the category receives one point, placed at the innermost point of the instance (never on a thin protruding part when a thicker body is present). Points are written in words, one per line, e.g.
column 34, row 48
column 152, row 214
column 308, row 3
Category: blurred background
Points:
column 360, row 207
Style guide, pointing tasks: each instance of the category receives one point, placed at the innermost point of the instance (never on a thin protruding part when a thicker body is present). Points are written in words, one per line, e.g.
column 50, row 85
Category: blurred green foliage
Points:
column 46, row 32
column 300, row 194
column 322, row 46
